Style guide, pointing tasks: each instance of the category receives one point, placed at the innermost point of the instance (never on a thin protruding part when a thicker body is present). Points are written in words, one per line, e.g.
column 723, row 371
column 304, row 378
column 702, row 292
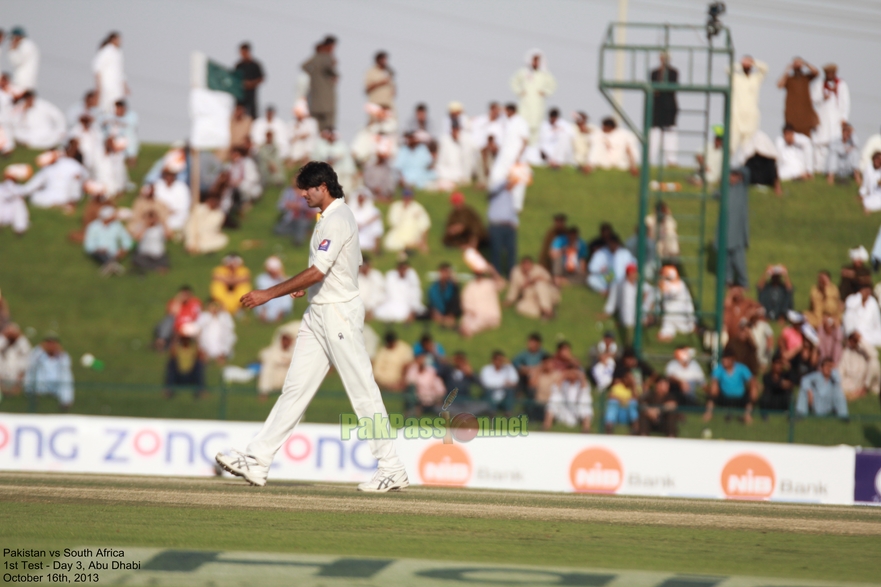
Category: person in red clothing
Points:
column 182, row 309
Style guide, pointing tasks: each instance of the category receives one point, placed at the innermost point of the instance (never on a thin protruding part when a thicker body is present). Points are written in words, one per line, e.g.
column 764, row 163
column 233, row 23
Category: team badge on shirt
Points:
column 324, row 245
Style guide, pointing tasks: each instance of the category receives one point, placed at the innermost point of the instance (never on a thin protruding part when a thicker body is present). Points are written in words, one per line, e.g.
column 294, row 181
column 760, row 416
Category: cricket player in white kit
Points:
column 330, row 334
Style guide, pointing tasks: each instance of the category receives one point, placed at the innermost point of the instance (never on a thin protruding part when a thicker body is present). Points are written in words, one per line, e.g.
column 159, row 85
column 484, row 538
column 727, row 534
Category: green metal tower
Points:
column 704, row 56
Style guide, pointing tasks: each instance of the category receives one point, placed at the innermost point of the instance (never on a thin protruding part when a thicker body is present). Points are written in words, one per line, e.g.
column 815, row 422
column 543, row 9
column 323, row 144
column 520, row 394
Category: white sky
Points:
column 442, row 50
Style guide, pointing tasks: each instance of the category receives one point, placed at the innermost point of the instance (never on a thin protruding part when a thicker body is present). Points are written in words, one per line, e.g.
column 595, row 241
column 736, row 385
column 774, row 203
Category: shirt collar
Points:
column 337, row 202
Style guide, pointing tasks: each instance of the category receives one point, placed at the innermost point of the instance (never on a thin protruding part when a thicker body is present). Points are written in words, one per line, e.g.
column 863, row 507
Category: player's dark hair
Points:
column 316, row 173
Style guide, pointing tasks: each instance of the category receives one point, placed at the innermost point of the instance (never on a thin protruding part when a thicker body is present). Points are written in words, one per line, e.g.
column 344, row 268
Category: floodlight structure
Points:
column 704, row 55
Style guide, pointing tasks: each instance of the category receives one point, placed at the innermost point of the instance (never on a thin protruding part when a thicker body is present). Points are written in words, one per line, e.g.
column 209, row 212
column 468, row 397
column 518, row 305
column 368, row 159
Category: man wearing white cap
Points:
column 24, row 56
column 60, row 182
column 107, row 241
column 13, row 210
column 176, row 195
column 331, row 334
column 276, row 309
column 304, row 133
column 532, row 84
column 36, row 123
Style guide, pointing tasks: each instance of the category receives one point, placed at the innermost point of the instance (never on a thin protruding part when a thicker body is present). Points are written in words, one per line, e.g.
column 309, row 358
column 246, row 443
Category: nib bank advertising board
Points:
column 537, row 462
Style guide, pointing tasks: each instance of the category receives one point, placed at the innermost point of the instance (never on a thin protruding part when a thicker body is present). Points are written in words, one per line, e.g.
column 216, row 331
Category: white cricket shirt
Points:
column 335, row 252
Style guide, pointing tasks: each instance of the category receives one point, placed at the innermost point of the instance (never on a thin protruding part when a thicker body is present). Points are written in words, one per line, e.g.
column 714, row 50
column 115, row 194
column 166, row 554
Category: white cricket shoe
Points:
column 245, row 466
column 385, row 481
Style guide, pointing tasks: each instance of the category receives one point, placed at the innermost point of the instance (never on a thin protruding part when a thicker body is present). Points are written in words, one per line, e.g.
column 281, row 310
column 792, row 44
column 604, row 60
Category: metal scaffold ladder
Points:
column 704, row 59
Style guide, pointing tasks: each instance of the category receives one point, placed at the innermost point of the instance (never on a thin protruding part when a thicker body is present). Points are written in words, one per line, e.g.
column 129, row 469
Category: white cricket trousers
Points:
column 330, row 334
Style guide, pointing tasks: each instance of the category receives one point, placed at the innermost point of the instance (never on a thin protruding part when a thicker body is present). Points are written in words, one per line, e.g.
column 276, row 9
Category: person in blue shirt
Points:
column 434, row 350
column 415, row 162
column 49, row 373
column 569, row 257
column 444, row 303
column 528, row 364
column 107, row 241
column 821, row 392
column 732, row 385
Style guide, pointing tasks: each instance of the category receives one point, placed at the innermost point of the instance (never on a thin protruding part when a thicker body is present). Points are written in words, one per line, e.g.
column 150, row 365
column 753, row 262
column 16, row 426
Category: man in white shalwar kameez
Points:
column 870, row 191
column 746, row 84
column 583, row 136
column 13, row 210
column 110, row 170
column 455, row 160
column 408, row 224
column 270, row 122
column 676, row 304
column 832, row 103
column 532, row 84
column 403, row 295
column 796, row 155
column 862, row 314
column 371, row 285
column 217, row 332
column 303, row 133
column 37, row 123
column 369, row 219
column 555, row 140
column 176, row 195
column 615, row 148
column 59, row 183
column 24, row 56
column 109, row 69
column 90, row 140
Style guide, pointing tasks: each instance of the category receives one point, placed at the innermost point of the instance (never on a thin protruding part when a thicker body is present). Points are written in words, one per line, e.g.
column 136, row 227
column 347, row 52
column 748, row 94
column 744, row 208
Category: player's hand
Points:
column 298, row 294
column 255, row 298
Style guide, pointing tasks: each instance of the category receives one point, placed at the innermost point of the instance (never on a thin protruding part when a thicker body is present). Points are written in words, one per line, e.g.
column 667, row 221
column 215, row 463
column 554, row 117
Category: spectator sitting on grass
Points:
column 403, row 295
column 143, row 205
column 763, row 338
column 204, row 230
column 603, row 370
column 677, row 305
column 825, row 299
column 685, row 373
column 859, row 367
column 184, row 307
column 276, row 309
column 460, row 375
column 532, row 291
column 557, row 229
column 843, row 161
column 186, row 363
column 821, row 393
column 499, row 379
column 570, row 403
column 480, row 296
column 743, row 346
column 777, row 392
column 269, row 162
column 369, row 220
column 15, row 351
column 855, row 275
column 390, row 361
column 275, row 361
column 774, row 291
column 443, row 298
column 49, row 373
column 830, row 338
column 463, row 223
column 424, row 388
column 229, row 282
column 150, row 254
column 870, row 190
column 528, row 364
column 622, row 404
column 657, row 411
column 371, row 286
column 732, row 385
column 436, row 355
column 408, row 224
column 217, row 333
column 569, row 258
column 107, row 242
column 862, row 313
column 622, row 300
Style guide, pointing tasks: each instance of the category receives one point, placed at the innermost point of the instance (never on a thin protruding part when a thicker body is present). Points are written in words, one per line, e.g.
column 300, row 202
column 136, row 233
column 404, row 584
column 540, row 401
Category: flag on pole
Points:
column 213, row 95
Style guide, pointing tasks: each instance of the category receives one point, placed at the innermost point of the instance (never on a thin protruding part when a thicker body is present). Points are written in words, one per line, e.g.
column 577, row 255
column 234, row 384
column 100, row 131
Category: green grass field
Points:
column 52, row 286
column 179, row 528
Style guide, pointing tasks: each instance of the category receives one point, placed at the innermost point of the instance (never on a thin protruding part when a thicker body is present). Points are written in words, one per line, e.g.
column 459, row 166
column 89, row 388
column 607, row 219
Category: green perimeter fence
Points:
column 240, row 402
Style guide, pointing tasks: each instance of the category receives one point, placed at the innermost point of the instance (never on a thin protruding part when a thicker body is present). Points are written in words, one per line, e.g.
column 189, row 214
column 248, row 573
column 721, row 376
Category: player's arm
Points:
column 298, row 284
